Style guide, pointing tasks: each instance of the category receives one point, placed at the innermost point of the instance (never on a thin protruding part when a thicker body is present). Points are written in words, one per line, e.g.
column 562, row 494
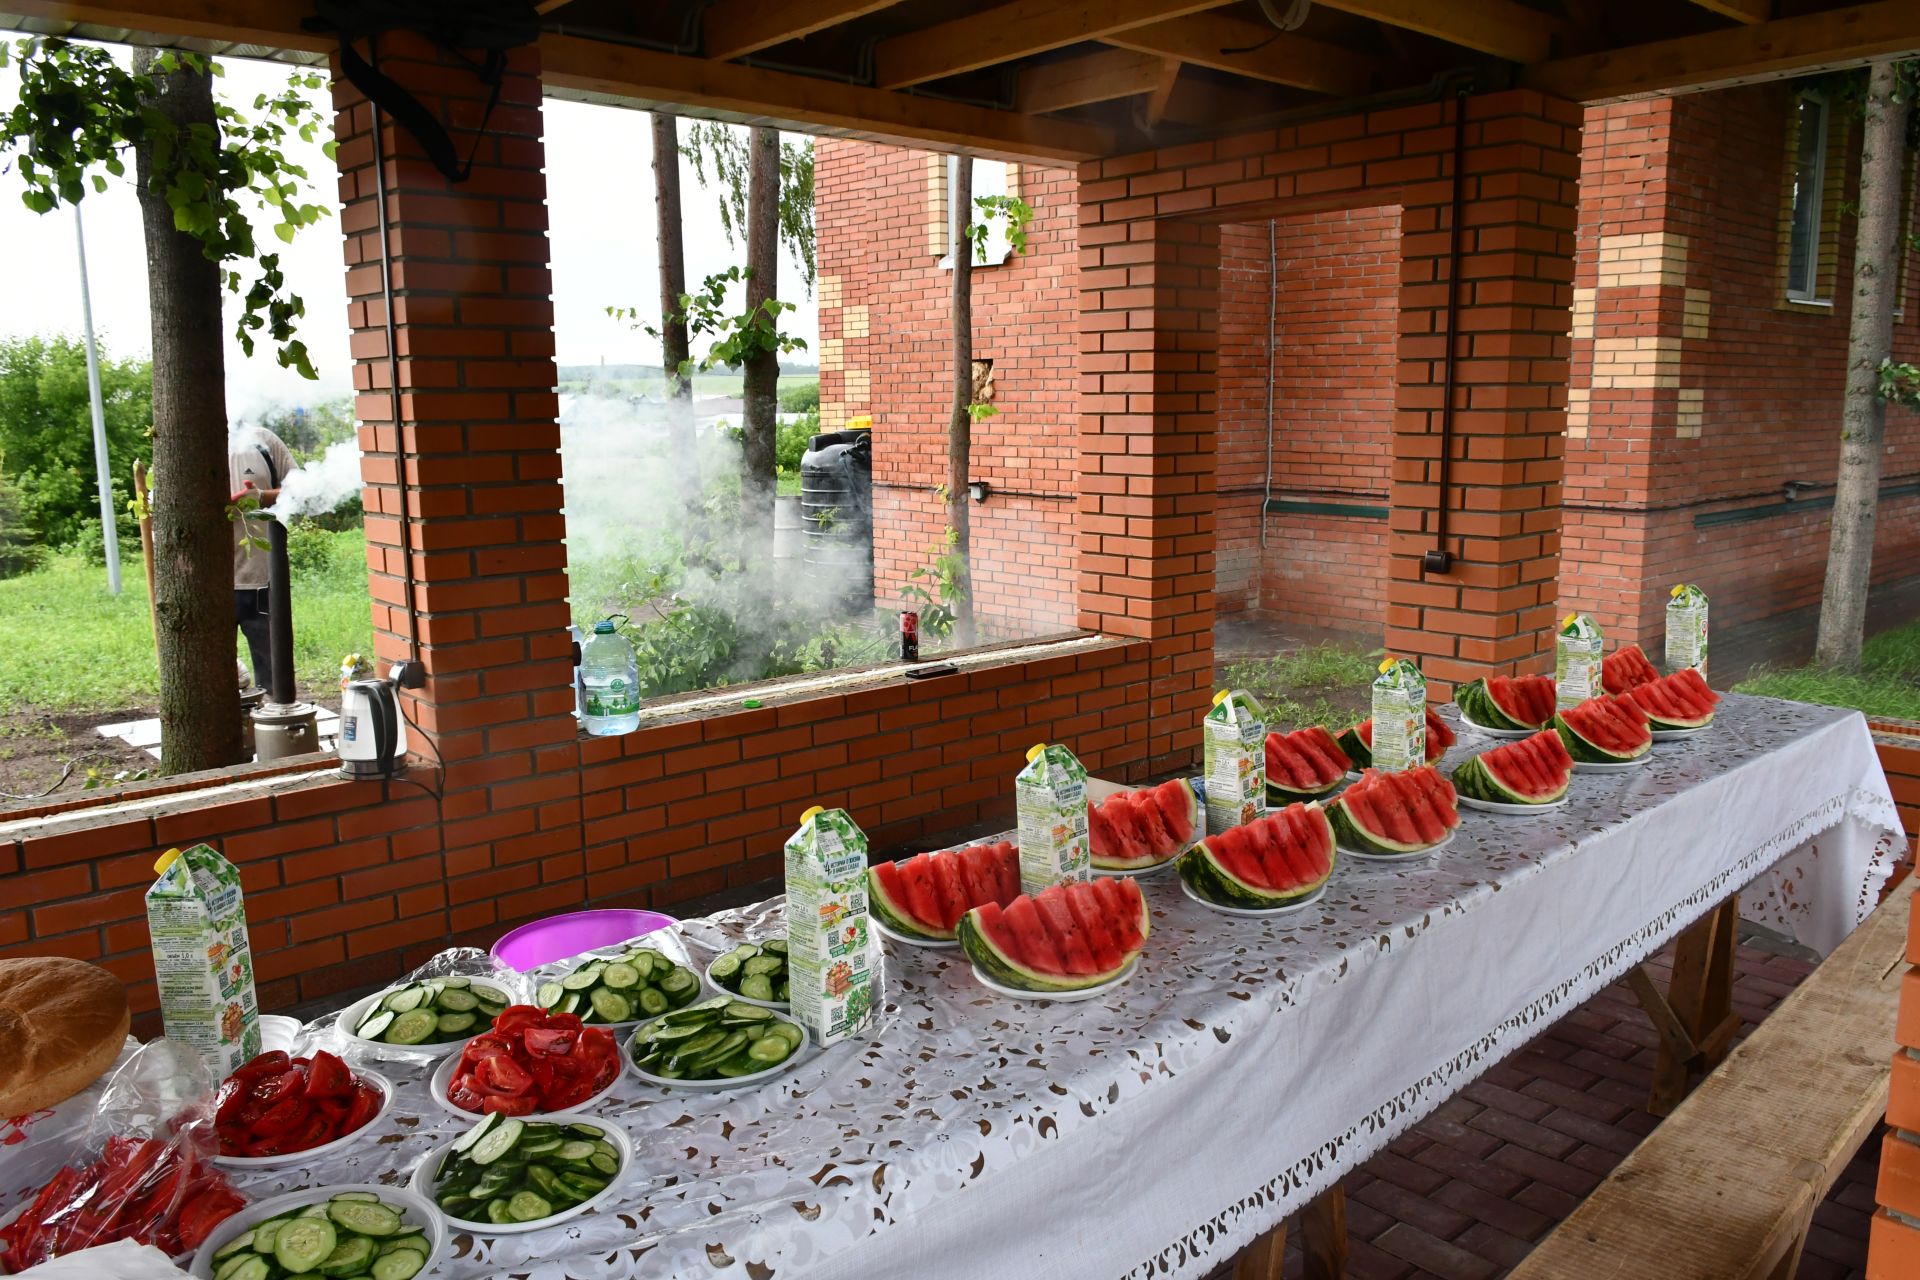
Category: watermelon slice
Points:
column 1067, row 938
column 1296, row 859
column 1679, row 701
column 1534, row 770
column 923, row 897
column 1405, row 812
column 1507, row 702
column 1605, row 730
column 1625, row 669
column 1357, row 742
column 1130, row 830
column 1303, row 764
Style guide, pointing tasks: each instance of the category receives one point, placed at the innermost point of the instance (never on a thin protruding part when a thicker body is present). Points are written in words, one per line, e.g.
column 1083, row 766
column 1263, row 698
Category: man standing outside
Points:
column 257, row 462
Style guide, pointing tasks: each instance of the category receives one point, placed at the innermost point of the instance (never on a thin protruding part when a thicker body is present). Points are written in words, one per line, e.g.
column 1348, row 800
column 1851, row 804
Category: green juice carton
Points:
column 1576, row 660
column 1687, row 629
column 1233, row 749
column 1399, row 716
column 829, row 963
column 197, row 921
column 1050, row 799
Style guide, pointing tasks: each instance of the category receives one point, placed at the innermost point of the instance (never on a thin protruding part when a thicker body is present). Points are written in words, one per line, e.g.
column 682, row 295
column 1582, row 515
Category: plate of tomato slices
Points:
column 532, row 1061
column 277, row 1110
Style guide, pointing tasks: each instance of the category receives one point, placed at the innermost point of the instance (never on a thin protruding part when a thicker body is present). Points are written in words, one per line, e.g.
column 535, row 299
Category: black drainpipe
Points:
column 1440, row 559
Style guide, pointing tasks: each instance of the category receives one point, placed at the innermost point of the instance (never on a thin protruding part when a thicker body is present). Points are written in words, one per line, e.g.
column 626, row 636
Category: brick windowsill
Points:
column 251, row 777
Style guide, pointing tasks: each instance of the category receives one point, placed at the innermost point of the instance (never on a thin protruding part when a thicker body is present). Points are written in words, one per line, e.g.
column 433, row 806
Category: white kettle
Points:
column 369, row 742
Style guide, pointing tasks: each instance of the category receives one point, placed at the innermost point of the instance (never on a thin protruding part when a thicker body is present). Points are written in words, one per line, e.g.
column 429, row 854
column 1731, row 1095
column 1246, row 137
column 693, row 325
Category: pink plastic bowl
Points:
column 558, row 937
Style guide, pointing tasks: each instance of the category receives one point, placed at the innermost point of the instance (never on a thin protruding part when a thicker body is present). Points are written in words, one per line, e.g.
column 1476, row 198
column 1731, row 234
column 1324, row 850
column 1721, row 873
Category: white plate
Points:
column 885, row 932
column 1415, row 856
column 1131, row 872
column 415, row 1210
column 422, row 1181
column 1612, row 766
column 707, row 973
column 443, row 1077
column 1057, row 997
column 1496, row 733
column 351, row 1015
column 1520, row 810
column 1277, row 799
column 278, row 1031
column 374, row 1078
column 793, row 1060
column 1675, row 735
column 1295, row 905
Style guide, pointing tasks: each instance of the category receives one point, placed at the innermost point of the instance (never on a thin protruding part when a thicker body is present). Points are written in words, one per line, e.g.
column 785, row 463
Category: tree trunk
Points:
column 760, row 387
column 192, row 538
column 1863, row 420
column 673, row 283
column 960, row 425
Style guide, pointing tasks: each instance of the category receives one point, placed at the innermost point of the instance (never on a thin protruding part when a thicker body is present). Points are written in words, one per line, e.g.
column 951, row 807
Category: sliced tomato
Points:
column 517, row 1017
column 282, row 1118
column 233, row 1139
column 273, row 1090
column 364, row 1107
column 549, row 1041
column 272, row 1063
column 509, row 1106
column 230, row 1102
column 561, row 1022
column 488, row 1046
column 328, row 1077
column 199, row 1216
column 503, row 1075
column 465, row 1093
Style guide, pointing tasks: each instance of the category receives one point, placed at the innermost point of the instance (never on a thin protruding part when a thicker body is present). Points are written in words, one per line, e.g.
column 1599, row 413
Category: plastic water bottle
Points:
column 610, row 679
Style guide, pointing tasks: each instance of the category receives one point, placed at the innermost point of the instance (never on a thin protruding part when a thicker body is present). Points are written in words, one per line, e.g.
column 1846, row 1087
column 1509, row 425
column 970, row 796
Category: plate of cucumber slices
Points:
column 620, row 987
column 510, row 1174
column 434, row 1016
column 721, row 1043
column 388, row 1233
column 755, row 972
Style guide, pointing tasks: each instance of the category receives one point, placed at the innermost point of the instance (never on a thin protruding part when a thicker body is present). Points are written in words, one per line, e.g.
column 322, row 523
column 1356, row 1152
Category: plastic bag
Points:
column 145, row 1172
column 334, row 1031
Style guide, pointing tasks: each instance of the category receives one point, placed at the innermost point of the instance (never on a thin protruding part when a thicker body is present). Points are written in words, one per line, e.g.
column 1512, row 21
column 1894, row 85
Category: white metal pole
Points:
column 109, row 527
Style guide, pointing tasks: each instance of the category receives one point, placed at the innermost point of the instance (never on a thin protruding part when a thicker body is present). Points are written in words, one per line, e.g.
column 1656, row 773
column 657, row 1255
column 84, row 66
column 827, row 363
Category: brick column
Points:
column 1149, row 373
column 1893, row 1248
column 462, row 476
column 1493, row 611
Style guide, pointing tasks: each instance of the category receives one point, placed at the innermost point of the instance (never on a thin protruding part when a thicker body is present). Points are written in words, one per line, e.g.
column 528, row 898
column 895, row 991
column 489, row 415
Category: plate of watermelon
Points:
column 1304, row 765
column 1608, row 733
column 1295, row 904
column 1506, row 706
column 1137, row 832
column 1357, row 742
column 919, row 900
column 1521, row 777
column 1276, row 863
column 1676, row 706
column 1072, row 941
column 1394, row 817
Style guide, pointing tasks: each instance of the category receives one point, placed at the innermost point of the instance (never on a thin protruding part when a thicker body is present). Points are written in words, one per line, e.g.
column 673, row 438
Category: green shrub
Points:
column 46, row 430
column 790, row 439
column 799, row 397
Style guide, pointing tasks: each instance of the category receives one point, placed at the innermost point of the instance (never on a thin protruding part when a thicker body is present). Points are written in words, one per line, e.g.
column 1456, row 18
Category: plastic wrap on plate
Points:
column 629, row 993
column 143, row 1170
column 482, row 981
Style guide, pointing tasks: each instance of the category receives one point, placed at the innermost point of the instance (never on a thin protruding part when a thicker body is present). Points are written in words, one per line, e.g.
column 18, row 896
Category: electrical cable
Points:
column 393, row 358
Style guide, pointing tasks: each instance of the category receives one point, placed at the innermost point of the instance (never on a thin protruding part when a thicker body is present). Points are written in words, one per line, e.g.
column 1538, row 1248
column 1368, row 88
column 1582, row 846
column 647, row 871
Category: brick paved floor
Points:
column 1465, row 1194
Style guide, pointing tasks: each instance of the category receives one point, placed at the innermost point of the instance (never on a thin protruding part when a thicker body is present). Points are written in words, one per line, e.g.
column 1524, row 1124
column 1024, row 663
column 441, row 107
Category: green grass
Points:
column 1294, row 687
column 72, row 647
column 1887, row 683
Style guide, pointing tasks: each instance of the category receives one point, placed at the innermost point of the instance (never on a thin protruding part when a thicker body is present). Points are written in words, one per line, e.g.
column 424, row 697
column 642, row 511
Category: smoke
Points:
column 321, row 485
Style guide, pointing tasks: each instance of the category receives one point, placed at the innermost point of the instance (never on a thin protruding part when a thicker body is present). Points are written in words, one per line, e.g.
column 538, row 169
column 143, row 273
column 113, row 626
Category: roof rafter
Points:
column 1499, row 27
column 1011, row 31
column 1276, row 56
column 1089, row 78
column 735, row 28
column 1739, row 10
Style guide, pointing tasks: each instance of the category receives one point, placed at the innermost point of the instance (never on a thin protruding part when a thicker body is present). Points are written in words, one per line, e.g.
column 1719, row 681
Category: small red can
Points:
column 909, row 636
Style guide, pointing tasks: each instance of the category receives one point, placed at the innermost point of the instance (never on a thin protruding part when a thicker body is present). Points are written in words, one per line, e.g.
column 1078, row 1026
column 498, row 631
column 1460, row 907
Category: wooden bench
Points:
column 1726, row 1187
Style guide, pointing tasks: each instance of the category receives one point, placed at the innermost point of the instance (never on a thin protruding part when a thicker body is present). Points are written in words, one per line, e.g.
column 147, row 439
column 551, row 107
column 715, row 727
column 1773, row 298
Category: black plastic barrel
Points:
column 836, row 510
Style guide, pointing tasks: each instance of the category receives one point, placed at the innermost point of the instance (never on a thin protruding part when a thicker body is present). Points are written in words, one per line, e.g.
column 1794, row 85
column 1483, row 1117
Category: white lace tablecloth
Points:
column 1246, row 1065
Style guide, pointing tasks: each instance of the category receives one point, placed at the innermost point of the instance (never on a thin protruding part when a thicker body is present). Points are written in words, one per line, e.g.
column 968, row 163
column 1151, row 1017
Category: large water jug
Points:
column 610, row 681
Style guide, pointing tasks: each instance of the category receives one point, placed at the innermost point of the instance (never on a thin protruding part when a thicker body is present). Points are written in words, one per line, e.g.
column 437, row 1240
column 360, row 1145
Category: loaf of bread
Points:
column 63, row 1023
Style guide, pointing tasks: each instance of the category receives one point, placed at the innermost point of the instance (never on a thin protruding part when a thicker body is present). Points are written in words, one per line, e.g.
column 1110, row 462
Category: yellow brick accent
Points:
column 1652, row 257
column 1696, row 314
column 1579, row 412
column 1690, row 413
column 828, row 288
column 857, row 387
column 1649, row 360
column 832, row 355
column 833, row 415
column 937, row 205
column 1583, row 304
column 853, row 322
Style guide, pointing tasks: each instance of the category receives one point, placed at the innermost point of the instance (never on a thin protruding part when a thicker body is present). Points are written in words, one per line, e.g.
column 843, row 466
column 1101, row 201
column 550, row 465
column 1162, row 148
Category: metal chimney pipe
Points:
column 279, row 615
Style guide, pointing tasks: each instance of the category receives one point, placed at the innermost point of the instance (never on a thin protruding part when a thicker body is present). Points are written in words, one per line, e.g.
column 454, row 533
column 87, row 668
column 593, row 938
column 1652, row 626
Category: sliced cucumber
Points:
column 415, row 1026
column 404, row 999
column 610, row 1004
column 304, row 1243
column 350, row 1257
column 374, row 1219
column 620, row 976
column 499, row 1142
column 725, row 967
column 487, row 1124
column 251, row 1267
column 379, row 1022
column 770, row 1050
column 401, row 1264
column 264, row 1233
column 757, row 987
column 456, row 1001
column 242, row 1241
column 448, row 1024
column 652, row 1000
column 525, row 1206
column 366, row 1197
column 549, row 994
column 582, row 978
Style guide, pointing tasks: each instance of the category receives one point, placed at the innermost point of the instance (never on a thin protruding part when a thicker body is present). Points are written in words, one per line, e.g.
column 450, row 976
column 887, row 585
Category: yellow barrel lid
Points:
column 808, row 815
column 1034, row 751
column 164, row 861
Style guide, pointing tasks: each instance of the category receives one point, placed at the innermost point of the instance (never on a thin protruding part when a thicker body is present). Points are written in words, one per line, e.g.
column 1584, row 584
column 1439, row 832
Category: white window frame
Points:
column 990, row 178
column 1815, row 189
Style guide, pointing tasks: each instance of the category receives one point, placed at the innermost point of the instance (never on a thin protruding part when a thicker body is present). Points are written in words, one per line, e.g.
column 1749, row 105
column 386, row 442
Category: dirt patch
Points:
column 52, row 755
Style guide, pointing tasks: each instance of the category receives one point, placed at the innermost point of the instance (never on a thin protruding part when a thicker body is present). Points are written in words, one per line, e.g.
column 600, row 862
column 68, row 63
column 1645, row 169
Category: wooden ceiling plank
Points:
column 736, row 28
column 1010, row 31
column 1275, row 56
column 275, row 23
column 645, row 78
column 1499, row 27
column 1739, row 10
column 1162, row 94
column 1089, row 78
column 1736, row 55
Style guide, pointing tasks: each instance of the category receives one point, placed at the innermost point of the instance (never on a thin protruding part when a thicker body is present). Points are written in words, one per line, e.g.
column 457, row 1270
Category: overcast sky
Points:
column 600, row 201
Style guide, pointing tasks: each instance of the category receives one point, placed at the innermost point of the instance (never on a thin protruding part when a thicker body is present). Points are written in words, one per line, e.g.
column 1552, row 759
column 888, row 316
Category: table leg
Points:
column 1261, row 1259
column 1323, row 1235
column 1695, row 1015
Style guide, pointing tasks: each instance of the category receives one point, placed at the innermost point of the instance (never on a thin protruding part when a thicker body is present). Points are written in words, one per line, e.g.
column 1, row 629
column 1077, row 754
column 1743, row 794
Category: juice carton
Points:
column 1233, row 741
column 1050, row 797
column 198, row 924
column 829, row 964
column 1687, row 629
column 1576, row 660
column 1399, row 716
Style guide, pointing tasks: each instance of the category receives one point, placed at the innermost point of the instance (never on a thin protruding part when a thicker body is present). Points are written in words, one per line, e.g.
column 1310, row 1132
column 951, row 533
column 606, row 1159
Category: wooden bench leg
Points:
column 1695, row 1015
column 1323, row 1242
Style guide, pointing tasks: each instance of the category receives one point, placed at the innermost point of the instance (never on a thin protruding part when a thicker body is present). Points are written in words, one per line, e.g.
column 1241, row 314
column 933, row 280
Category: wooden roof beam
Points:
column 1275, row 56
column 736, row 28
column 1011, row 31
column 1772, row 50
column 1089, row 78
column 1748, row 11
column 1499, row 27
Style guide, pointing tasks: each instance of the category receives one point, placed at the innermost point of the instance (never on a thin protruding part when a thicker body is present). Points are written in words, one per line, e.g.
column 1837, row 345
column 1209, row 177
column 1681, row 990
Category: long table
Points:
column 1246, row 1066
